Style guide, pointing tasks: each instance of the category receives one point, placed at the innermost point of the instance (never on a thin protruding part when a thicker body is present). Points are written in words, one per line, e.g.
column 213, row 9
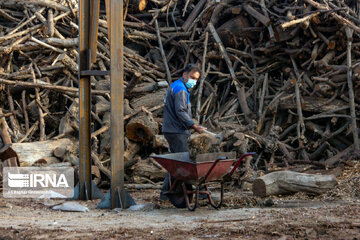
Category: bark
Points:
column 141, row 128
column 287, row 182
column 30, row 153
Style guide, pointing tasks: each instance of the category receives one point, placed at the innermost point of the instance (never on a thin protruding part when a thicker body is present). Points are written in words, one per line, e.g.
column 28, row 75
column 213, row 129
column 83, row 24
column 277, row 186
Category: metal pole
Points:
column 94, row 26
column 84, row 94
column 117, row 105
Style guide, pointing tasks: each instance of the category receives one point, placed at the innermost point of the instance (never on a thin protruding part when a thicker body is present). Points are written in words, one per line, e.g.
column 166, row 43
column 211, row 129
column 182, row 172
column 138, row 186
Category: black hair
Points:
column 190, row 67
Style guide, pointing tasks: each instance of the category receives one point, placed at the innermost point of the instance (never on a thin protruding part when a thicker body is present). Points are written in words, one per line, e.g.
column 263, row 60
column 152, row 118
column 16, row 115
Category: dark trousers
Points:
column 177, row 143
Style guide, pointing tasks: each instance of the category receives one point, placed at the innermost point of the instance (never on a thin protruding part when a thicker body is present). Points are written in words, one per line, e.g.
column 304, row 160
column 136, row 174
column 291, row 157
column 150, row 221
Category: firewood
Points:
column 201, row 143
column 29, row 153
column 287, row 182
column 294, row 66
column 144, row 169
column 159, row 141
column 137, row 5
column 141, row 128
column 132, row 148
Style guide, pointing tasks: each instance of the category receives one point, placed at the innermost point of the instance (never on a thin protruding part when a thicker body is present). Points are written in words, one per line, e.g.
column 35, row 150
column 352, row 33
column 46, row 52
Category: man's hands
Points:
column 198, row 128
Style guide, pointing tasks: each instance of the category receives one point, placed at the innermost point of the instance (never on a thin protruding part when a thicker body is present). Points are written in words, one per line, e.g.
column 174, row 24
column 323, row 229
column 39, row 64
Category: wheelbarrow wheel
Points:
column 177, row 198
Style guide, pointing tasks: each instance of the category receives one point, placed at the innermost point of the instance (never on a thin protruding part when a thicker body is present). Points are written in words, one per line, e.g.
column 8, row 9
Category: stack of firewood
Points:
column 278, row 77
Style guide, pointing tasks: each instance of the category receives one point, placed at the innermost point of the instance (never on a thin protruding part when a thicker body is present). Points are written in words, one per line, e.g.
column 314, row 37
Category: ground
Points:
column 334, row 215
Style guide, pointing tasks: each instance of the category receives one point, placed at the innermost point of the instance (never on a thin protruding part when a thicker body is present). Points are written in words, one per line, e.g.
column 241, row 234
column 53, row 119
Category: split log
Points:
column 68, row 123
column 141, row 128
column 287, row 182
column 8, row 158
column 30, row 153
column 131, row 150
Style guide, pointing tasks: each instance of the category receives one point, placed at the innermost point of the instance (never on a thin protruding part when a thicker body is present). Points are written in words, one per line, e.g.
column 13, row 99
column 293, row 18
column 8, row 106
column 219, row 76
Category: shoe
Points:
column 215, row 198
column 163, row 197
column 203, row 196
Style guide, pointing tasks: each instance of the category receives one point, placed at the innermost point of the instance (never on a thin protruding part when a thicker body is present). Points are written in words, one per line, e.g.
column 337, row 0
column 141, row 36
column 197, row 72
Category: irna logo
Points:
column 34, row 180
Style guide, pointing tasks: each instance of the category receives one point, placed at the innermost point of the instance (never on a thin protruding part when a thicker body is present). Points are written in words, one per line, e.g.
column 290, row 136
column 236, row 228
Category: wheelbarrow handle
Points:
column 237, row 164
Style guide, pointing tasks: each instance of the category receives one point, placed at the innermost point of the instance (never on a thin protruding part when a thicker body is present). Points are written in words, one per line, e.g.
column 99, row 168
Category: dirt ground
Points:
column 334, row 215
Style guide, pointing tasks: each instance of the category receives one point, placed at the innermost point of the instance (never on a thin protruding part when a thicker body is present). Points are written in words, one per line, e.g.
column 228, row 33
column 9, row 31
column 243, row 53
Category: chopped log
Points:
column 45, row 161
column 137, row 5
column 144, row 169
column 312, row 104
column 29, row 153
column 287, row 182
column 68, row 122
column 149, row 100
column 68, row 62
column 4, row 133
column 8, row 157
column 233, row 29
column 201, row 143
column 253, row 74
column 159, row 141
column 141, row 128
column 132, row 148
column 102, row 105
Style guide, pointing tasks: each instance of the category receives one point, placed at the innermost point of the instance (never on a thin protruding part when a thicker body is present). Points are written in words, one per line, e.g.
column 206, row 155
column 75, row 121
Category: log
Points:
column 313, row 104
column 141, row 128
column 148, row 100
column 144, row 169
column 132, row 148
column 29, row 153
column 254, row 73
column 201, row 143
column 68, row 122
column 137, row 5
column 159, row 141
column 288, row 182
column 258, row 16
column 230, row 31
column 141, row 186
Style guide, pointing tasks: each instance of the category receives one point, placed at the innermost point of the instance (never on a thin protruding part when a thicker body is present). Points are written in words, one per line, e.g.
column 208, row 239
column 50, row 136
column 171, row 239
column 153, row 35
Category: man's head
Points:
column 191, row 75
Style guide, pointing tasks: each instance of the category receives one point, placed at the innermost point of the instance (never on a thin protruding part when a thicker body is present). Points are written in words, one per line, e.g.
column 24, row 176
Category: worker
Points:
column 177, row 118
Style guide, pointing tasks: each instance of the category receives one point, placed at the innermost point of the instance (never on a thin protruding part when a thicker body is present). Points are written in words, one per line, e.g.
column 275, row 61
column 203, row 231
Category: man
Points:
column 177, row 119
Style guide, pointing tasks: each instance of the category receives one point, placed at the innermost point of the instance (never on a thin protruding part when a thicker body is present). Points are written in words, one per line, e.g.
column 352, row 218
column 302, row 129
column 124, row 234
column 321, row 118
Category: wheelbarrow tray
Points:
column 182, row 168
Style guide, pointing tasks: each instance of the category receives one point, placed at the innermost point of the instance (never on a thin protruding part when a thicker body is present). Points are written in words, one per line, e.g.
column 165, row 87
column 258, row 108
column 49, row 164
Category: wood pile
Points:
column 278, row 77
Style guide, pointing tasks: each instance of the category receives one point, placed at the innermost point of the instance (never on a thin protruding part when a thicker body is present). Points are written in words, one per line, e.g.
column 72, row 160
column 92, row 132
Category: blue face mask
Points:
column 190, row 83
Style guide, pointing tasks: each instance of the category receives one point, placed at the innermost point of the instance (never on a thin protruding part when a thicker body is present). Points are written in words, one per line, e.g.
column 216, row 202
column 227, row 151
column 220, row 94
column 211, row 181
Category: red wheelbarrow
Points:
column 210, row 167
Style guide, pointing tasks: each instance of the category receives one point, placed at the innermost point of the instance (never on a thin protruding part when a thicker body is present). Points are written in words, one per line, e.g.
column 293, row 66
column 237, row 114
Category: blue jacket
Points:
column 177, row 110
